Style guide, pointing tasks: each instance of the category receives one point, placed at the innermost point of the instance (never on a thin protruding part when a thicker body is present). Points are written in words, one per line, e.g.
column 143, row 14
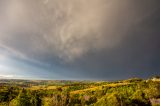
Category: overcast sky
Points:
column 79, row 39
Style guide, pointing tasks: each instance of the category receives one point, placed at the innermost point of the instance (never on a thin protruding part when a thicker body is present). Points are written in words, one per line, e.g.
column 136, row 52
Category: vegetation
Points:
column 131, row 92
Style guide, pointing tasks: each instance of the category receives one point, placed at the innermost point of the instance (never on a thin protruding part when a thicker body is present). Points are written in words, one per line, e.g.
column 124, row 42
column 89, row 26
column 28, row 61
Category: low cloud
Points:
column 6, row 76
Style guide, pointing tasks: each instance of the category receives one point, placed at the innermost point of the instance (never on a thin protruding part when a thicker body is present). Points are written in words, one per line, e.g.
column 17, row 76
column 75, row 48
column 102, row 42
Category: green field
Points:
column 131, row 92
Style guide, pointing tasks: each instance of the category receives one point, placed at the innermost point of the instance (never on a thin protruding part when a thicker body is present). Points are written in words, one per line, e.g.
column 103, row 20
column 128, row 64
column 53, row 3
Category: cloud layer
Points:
column 67, row 29
column 76, row 34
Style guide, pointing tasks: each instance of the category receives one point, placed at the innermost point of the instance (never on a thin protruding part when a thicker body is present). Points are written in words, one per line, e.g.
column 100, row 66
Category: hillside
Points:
column 131, row 92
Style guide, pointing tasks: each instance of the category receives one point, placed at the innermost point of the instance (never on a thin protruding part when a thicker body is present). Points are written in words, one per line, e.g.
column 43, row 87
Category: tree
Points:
column 35, row 99
column 23, row 98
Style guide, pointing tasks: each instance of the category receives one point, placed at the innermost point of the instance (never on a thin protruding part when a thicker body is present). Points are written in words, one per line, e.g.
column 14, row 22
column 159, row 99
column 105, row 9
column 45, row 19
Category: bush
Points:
column 109, row 100
column 139, row 99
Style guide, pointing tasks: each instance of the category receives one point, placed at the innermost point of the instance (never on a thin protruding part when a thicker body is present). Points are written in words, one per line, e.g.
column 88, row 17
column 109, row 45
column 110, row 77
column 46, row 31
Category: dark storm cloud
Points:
column 97, row 39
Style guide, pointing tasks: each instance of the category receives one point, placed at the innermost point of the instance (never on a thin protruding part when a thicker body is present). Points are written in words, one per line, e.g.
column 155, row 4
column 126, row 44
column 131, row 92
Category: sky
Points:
column 79, row 39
